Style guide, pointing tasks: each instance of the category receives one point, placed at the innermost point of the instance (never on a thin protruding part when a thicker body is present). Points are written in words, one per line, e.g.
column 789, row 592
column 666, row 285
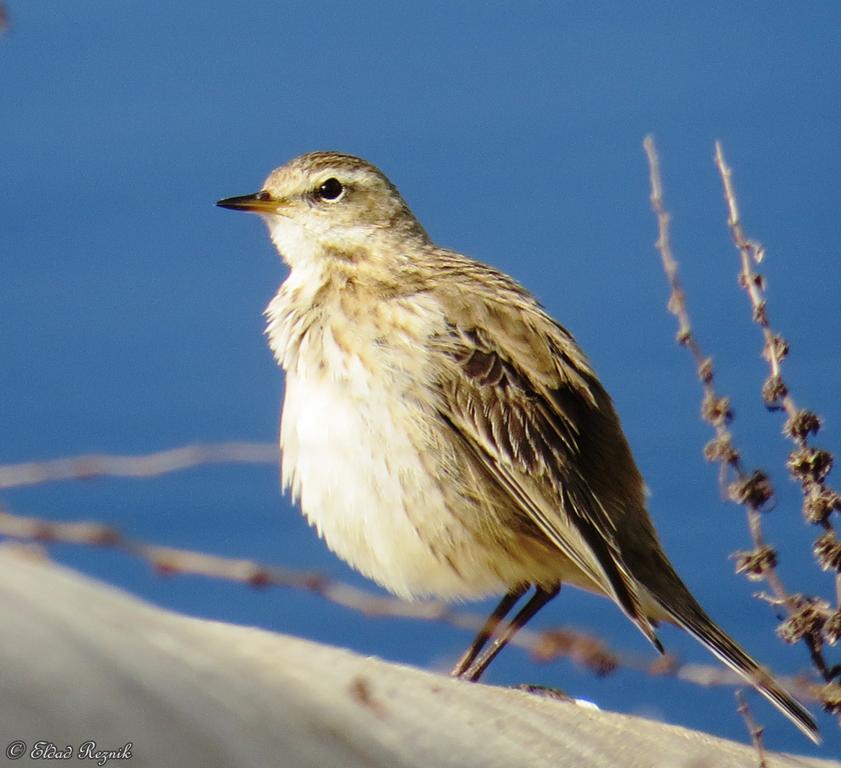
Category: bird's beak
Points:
column 259, row 202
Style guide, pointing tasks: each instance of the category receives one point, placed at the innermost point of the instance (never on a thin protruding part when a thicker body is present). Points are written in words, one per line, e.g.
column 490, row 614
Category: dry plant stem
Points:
column 776, row 348
column 807, row 465
column 755, row 730
column 715, row 409
column 544, row 646
column 751, row 490
column 89, row 466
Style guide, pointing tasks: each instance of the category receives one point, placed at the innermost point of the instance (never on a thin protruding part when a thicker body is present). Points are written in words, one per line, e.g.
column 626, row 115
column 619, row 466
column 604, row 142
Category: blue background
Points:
column 131, row 307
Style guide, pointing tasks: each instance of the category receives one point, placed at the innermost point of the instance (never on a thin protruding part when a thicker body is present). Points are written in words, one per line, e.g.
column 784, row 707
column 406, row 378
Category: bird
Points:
column 445, row 436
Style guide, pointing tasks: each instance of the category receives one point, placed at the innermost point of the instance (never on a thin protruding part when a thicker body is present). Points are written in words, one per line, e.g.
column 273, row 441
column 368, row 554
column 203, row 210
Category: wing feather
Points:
column 532, row 438
column 520, row 398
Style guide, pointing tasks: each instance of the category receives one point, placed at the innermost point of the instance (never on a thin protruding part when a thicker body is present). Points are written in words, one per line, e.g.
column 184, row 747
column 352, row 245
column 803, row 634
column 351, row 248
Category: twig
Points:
column 813, row 619
column 806, row 616
column 750, row 489
column 547, row 645
column 88, row 466
column 755, row 730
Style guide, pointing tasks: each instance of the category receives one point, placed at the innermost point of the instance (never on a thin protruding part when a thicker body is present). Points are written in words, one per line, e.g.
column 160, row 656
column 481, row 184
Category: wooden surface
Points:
column 80, row 660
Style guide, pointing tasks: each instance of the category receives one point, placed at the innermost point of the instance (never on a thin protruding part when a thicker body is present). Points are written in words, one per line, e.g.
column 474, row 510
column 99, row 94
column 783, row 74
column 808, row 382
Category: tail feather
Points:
column 688, row 614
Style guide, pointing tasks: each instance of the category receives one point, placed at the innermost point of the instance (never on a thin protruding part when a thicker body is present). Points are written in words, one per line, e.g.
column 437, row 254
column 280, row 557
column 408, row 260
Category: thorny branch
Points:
column 543, row 646
column 809, row 619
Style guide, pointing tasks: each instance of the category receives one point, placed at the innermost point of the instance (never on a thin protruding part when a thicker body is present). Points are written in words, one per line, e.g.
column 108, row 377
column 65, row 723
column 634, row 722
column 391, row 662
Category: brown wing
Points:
column 551, row 441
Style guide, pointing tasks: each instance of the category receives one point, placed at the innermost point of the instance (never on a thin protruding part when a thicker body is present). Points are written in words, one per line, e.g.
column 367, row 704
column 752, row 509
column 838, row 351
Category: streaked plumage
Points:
column 445, row 435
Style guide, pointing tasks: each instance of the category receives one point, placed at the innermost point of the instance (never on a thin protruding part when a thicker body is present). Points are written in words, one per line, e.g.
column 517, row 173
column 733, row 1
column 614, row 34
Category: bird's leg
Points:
column 535, row 603
column 492, row 622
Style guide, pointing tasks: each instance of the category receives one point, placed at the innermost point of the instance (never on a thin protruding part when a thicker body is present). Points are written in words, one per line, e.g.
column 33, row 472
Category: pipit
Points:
column 444, row 435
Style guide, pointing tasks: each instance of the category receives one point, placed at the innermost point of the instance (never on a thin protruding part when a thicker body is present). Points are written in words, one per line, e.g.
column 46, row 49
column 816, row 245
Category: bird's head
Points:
column 327, row 205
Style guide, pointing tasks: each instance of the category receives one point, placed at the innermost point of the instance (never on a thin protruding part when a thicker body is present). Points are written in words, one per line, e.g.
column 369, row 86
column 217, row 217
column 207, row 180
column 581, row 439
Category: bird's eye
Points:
column 331, row 190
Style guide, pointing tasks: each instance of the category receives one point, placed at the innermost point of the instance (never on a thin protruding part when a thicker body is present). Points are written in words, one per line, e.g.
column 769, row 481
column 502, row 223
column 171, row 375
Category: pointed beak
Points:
column 259, row 202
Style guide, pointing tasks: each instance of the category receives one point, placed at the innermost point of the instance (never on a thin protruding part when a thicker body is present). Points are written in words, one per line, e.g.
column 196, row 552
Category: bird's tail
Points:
column 681, row 606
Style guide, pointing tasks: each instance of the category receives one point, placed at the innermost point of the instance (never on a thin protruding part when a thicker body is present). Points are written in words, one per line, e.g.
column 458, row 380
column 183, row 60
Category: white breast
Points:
column 355, row 457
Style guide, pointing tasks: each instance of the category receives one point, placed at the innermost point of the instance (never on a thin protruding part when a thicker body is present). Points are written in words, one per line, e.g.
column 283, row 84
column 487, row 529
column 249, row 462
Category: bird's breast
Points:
column 357, row 441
